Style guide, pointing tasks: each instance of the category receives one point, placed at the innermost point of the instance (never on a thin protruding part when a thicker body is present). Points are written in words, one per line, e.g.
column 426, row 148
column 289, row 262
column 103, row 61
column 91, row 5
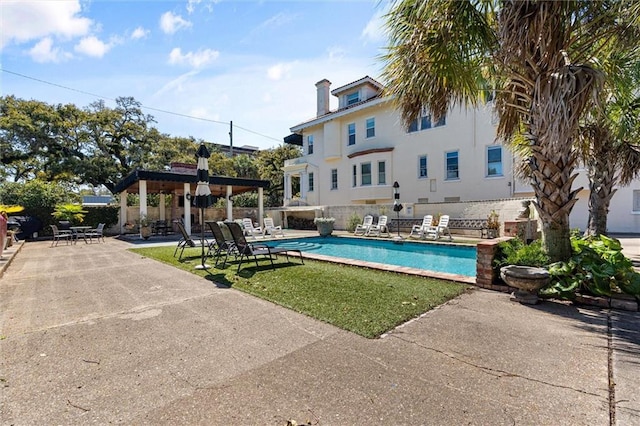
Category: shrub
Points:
column 353, row 221
column 517, row 252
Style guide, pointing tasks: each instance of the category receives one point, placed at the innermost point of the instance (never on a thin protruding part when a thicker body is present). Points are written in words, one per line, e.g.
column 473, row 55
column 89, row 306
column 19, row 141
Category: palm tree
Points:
column 538, row 55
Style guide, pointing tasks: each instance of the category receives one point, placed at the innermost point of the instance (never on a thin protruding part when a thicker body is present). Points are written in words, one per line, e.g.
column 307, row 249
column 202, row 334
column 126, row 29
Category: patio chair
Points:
column 58, row 235
column 223, row 243
column 247, row 250
column 270, row 228
column 249, row 229
column 363, row 227
column 438, row 231
column 380, row 228
column 420, row 231
column 186, row 241
column 96, row 232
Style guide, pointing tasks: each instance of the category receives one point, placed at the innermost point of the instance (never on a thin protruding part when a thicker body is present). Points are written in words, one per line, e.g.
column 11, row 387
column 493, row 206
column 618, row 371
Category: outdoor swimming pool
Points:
column 452, row 259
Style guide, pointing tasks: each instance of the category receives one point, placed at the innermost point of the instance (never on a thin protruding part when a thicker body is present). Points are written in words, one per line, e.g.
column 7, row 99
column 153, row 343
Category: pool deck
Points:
column 96, row 334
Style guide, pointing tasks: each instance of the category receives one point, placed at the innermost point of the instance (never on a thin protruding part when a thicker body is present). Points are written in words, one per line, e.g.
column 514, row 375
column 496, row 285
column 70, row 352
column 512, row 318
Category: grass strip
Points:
column 364, row 301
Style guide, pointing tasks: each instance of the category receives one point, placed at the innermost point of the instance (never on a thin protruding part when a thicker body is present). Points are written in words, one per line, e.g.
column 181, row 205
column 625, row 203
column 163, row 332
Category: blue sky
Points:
column 251, row 62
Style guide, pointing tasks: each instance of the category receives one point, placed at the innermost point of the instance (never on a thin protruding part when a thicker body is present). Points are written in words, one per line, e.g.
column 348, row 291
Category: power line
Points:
column 141, row 105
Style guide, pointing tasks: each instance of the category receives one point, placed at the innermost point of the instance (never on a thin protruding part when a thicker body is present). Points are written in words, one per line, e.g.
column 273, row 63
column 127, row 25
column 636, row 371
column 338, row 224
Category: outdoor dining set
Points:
column 74, row 233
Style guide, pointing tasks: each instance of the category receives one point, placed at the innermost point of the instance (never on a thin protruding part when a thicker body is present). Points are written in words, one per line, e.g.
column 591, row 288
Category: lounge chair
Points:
column 247, row 250
column 249, row 229
column 224, row 244
column 363, row 227
column 420, row 231
column 380, row 228
column 186, row 241
column 58, row 235
column 438, row 231
column 270, row 228
column 97, row 232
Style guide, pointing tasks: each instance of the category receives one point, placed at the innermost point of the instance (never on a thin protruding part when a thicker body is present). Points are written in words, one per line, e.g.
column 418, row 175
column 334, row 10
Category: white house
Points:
column 354, row 154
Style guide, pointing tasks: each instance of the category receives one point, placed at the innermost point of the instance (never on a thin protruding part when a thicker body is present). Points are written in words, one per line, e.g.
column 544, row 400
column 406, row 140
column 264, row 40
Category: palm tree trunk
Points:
column 601, row 189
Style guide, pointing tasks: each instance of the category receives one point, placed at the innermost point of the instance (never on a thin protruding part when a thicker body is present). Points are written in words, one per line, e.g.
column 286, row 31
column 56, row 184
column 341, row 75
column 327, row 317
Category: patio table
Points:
column 80, row 230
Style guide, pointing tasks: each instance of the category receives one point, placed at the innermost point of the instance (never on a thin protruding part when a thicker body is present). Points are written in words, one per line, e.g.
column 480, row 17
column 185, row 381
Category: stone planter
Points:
column 145, row 232
column 324, row 228
column 527, row 280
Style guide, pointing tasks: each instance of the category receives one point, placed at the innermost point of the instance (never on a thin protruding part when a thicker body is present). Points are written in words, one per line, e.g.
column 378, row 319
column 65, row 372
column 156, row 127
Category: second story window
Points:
column 371, row 127
column 425, row 122
column 353, row 98
column 351, row 131
column 310, row 144
column 382, row 173
column 452, row 166
column 354, row 182
column 494, row 161
column 310, row 182
column 422, row 166
column 365, row 171
column 334, row 178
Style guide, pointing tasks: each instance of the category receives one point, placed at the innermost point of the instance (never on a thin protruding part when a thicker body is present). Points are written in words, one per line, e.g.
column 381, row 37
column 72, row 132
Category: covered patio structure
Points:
column 181, row 182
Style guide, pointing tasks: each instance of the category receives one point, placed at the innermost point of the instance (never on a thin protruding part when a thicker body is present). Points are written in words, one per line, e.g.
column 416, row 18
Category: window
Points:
column 494, row 161
column 334, row 178
column 382, row 173
column 310, row 182
column 310, row 144
column 452, row 165
column 371, row 127
column 424, row 122
column 353, row 98
column 365, row 172
column 355, row 176
column 422, row 166
column 351, row 130
column 636, row 200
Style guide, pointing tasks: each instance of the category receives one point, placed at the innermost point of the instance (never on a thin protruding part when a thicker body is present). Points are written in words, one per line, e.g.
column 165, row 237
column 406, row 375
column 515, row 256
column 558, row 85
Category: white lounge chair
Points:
column 270, row 228
column 249, row 229
column 420, row 231
column 380, row 228
column 362, row 228
column 438, row 231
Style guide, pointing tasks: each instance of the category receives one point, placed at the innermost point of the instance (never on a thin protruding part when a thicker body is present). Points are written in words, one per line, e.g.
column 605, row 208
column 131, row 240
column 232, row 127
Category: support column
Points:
column 161, row 206
column 187, row 208
column 287, row 189
column 303, row 185
column 123, row 210
column 260, row 206
column 229, row 203
column 142, row 185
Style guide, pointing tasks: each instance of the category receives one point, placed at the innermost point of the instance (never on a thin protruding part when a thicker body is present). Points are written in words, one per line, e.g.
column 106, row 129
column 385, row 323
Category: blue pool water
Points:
column 433, row 257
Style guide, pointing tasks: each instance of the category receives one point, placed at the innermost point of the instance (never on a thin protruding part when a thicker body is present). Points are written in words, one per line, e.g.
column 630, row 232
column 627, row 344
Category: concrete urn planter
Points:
column 145, row 232
column 527, row 280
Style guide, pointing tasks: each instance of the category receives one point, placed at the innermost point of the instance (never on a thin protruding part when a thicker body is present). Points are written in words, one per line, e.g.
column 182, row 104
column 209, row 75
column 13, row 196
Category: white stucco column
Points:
column 187, row 208
column 229, row 203
column 287, row 188
column 303, row 185
column 161, row 207
column 123, row 210
column 260, row 206
column 142, row 185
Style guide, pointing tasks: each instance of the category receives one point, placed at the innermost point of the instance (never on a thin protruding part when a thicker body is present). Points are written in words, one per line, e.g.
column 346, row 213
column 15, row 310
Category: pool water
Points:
column 459, row 260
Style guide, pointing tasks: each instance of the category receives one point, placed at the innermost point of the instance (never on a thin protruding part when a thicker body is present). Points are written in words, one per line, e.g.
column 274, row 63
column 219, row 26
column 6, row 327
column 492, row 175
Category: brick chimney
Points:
column 323, row 96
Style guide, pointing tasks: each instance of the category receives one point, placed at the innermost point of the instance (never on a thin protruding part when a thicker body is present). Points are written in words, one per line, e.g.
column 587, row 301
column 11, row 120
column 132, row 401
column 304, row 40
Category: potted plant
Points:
column 493, row 224
column 68, row 213
column 324, row 225
column 145, row 226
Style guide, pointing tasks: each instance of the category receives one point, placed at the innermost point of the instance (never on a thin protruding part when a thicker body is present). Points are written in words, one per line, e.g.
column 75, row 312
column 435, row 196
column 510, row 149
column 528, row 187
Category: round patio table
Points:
column 78, row 231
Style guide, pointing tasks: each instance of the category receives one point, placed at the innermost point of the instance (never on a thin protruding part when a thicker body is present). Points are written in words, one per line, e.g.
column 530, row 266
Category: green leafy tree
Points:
column 270, row 164
column 541, row 58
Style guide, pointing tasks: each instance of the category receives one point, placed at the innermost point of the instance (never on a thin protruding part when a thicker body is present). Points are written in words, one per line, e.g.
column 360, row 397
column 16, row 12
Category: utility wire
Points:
column 141, row 105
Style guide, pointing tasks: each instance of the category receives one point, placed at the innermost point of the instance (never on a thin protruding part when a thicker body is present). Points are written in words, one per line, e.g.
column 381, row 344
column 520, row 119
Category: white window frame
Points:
column 311, row 182
column 488, row 164
column 309, row 144
column 635, row 207
column 426, row 167
column 334, row 179
column 352, row 98
column 424, row 122
column 446, row 165
column 363, row 174
column 354, row 181
column 351, row 135
column 370, row 128
column 382, row 172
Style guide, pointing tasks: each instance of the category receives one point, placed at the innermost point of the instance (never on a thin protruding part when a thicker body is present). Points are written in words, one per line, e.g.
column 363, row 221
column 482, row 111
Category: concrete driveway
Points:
column 95, row 334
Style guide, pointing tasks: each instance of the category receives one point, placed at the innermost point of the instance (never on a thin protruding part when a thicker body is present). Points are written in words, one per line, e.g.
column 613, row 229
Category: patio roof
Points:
column 167, row 182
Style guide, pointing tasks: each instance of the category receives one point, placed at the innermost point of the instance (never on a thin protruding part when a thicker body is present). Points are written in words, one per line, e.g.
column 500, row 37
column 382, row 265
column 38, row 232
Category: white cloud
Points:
column 23, row 21
column 375, row 30
column 196, row 59
column 139, row 33
column 44, row 51
column 277, row 72
column 92, row 46
column 170, row 23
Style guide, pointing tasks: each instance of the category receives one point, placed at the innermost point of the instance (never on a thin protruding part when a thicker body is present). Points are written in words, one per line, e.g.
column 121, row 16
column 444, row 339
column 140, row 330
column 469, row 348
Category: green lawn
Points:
column 364, row 301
